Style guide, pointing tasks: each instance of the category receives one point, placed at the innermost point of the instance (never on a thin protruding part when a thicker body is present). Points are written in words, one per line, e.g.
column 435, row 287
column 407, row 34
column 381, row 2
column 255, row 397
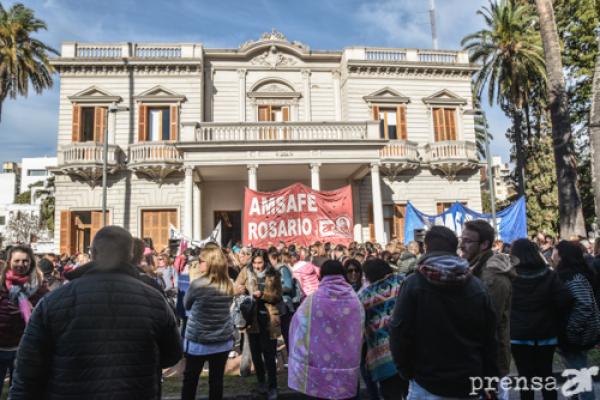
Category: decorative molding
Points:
column 155, row 173
column 395, row 169
column 273, row 36
column 273, row 58
column 85, row 69
column 94, row 94
column 159, row 94
column 444, row 96
column 242, row 72
column 380, row 70
column 386, row 95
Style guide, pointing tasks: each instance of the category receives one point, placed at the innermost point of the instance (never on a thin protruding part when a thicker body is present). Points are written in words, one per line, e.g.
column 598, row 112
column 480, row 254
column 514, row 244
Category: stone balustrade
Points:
column 286, row 131
column 438, row 57
column 400, row 149
column 99, row 51
column 88, row 153
column 154, row 152
column 452, row 150
column 385, row 55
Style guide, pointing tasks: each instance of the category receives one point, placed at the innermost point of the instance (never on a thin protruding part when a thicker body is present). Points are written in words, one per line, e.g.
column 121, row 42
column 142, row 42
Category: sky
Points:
column 29, row 125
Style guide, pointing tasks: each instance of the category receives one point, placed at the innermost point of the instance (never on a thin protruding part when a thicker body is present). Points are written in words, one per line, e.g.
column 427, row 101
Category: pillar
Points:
column 307, row 97
column 315, row 178
column 252, row 177
column 337, row 95
column 377, row 204
column 242, row 76
column 197, row 211
column 187, row 201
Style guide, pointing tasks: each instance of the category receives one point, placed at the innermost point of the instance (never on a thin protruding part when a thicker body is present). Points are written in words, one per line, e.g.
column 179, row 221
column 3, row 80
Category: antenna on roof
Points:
column 433, row 24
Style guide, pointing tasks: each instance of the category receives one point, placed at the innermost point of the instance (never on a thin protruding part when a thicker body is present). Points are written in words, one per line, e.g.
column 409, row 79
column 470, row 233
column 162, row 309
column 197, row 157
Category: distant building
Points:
column 503, row 185
column 34, row 170
column 9, row 182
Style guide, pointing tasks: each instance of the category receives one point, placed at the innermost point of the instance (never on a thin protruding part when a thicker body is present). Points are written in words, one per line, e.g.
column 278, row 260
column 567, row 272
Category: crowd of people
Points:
column 427, row 320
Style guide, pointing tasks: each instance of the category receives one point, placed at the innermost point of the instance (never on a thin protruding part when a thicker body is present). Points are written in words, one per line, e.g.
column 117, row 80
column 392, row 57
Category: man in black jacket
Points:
column 104, row 335
column 443, row 325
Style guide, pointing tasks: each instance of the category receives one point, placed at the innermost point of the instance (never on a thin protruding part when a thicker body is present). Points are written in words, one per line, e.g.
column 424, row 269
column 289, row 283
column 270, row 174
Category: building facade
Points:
column 189, row 127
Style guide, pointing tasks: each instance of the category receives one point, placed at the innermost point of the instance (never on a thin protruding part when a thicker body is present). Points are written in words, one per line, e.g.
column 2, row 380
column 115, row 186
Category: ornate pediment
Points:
column 273, row 36
column 273, row 58
column 272, row 88
column 159, row 94
column 94, row 94
column 444, row 96
column 386, row 95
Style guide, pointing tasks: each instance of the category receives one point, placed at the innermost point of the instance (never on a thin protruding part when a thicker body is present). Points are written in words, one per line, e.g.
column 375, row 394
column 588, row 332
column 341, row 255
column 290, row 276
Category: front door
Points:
column 77, row 230
column 231, row 226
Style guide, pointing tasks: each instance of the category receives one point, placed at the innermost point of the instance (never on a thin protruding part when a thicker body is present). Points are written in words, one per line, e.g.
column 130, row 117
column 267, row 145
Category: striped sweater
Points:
column 583, row 325
column 379, row 300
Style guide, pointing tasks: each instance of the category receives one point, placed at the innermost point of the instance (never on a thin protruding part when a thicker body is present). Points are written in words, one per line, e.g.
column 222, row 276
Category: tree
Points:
column 23, row 198
column 594, row 130
column 541, row 192
column 23, row 59
column 511, row 57
column 569, row 201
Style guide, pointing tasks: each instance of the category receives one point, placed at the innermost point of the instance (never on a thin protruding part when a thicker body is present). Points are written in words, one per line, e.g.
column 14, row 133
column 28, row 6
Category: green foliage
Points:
column 541, row 188
column 24, row 198
column 47, row 213
column 24, row 60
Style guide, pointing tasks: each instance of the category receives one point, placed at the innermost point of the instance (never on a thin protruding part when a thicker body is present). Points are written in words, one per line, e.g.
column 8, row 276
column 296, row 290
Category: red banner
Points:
column 298, row 214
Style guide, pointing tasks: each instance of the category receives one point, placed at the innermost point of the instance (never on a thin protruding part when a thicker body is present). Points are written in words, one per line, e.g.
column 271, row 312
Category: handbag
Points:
column 247, row 307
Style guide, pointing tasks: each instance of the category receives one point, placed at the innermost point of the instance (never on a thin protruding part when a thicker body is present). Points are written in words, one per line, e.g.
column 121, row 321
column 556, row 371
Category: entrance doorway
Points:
column 231, row 226
column 77, row 230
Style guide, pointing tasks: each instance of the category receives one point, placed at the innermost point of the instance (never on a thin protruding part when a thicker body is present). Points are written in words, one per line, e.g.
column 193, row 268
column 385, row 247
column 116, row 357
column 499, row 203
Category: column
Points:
column 307, row 99
column 242, row 76
column 252, row 176
column 356, row 210
column 197, row 211
column 337, row 99
column 187, row 201
column 315, row 179
column 377, row 204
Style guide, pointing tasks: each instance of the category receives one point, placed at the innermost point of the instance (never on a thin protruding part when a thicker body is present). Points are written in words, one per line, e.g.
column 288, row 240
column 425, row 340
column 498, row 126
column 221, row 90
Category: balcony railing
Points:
column 438, row 57
column 157, row 51
column 154, row 152
column 88, row 153
column 285, row 131
column 400, row 149
column 449, row 151
column 99, row 51
column 385, row 55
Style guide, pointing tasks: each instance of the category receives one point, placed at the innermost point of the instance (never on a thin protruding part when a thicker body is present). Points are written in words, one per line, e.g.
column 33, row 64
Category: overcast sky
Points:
column 29, row 125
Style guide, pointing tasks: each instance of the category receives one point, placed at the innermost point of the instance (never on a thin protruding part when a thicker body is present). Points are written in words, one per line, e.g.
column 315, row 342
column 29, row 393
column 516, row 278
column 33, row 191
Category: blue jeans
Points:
column 417, row 392
column 577, row 359
column 7, row 363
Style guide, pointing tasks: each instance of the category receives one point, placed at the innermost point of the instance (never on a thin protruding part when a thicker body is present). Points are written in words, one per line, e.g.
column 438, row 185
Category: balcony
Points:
column 155, row 160
column 85, row 159
column 451, row 157
column 276, row 132
column 399, row 156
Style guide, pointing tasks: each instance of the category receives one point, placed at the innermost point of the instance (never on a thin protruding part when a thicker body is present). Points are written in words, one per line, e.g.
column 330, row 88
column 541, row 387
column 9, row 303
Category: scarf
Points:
column 445, row 269
column 20, row 289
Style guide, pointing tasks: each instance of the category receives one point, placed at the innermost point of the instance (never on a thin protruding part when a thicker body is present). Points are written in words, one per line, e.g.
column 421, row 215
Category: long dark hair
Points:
column 572, row 261
column 265, row 256
column 528, row 254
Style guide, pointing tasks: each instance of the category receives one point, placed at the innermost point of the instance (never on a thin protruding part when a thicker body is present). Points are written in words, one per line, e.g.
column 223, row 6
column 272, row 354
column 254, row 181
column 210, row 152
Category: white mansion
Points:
column 192, row 126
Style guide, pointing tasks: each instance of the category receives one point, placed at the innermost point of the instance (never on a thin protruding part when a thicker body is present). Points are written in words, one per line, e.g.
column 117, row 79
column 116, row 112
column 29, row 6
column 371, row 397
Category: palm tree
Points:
column 23, row 59
column 569, row 200
column 511, row 58
column 594, row 128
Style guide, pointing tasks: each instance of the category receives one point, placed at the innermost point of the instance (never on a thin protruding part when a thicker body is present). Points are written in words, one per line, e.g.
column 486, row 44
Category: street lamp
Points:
column 490, row 173
column 112, row 108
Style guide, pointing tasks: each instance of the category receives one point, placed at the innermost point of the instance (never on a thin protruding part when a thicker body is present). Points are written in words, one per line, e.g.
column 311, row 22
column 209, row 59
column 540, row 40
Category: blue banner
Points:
column 511, row 222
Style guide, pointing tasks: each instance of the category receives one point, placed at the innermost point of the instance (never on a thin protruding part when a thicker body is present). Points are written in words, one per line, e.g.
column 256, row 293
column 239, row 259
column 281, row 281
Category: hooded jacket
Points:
column 104, row 335
column 496, row 271
column 443, row 327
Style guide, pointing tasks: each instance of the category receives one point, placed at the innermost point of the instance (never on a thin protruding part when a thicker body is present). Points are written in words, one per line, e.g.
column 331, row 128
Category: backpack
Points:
column 242, row 311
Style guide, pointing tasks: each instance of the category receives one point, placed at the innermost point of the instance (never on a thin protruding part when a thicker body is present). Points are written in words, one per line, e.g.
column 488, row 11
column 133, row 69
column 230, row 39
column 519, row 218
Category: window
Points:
column 89, row 124
column 37, row 172
column 269, row 113
column 158, row 123
column 444, row 205
column 392, row 122
column 3, row 220
column 444, row 124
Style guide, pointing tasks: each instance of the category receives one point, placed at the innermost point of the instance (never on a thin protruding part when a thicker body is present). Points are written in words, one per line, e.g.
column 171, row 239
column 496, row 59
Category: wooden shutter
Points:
column 399, row 211
column 401, row 122
column 285, row 111
column 375, row 113
column 142, row 123
column 371, row 223
column 450, row 123
column 155, row 225
column 438, row 124
column 100, row 114
column 97, row 223
column 264, row 113
column 66, row 232
column 76, row 126
column 174, row 123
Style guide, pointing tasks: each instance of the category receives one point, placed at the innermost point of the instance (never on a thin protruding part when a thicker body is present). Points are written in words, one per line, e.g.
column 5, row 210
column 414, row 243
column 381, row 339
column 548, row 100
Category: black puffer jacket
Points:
column 105, row 335
column 540, row 304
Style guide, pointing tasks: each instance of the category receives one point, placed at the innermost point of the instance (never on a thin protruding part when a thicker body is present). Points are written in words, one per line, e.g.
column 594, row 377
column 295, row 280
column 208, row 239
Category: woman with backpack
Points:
column 540, row 304
column 209, row 331
column 583, row 324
